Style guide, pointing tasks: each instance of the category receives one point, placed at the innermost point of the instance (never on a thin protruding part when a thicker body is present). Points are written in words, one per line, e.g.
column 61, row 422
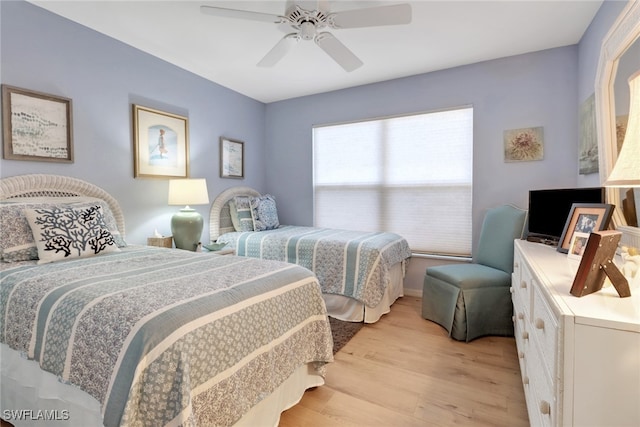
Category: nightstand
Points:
column 162, row 242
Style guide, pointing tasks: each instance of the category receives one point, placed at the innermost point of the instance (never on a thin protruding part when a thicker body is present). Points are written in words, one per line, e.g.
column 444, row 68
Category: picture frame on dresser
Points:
column 36, row 126
column 584, row 218
column 597, row 264
column 577, row 245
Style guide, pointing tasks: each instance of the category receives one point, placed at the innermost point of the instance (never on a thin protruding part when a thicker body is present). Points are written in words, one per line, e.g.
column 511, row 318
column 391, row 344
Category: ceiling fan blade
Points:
column 279, row 50
column 372, row 17
column 339, row 52
column 241, row 14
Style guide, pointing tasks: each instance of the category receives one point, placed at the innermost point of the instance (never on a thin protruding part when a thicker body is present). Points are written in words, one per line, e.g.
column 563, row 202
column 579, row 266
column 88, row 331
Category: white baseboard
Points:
column 413, row 292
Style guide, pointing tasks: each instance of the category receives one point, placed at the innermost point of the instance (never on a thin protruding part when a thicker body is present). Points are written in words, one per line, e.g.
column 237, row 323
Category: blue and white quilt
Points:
column 350, row 263
column 162, row 336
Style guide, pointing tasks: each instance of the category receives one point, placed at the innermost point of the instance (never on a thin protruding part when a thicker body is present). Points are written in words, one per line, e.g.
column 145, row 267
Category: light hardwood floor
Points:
column 405, row 371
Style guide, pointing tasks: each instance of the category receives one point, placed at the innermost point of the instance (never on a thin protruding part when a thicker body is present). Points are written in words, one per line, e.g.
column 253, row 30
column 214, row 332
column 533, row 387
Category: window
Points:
column 410, row 175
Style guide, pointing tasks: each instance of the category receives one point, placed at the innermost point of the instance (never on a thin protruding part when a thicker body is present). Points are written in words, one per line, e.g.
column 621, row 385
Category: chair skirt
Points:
column 468, row 311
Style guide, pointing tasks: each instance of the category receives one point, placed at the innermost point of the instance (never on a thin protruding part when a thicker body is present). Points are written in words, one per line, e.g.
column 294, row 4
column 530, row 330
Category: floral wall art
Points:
column 523, row 145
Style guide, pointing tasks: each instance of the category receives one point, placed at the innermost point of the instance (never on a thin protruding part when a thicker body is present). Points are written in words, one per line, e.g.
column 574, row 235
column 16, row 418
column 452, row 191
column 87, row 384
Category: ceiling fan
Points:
column 309, row 23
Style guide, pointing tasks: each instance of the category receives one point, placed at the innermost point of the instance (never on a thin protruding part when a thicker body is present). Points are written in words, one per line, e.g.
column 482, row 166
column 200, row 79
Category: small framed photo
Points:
column 160, row 144
column 584, row 218
column 36, row 126
column 231, row 158
column 577, row 245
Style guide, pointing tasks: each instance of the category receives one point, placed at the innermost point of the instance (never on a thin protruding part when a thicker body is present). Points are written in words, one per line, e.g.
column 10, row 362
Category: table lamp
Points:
column 626, row 170
column 186, row 225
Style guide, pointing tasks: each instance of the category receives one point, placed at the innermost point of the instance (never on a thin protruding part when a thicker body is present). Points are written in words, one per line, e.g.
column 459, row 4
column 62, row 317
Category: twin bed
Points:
column 143, row 335
column 361, row 273
column 126, row 335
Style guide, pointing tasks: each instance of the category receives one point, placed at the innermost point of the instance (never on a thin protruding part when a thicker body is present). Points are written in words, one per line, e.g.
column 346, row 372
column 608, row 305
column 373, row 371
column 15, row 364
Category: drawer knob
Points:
column 525, row 335
column 511, row 289
column 525, row 380
column 539, row 323
column 523, row 284
column 545, row 407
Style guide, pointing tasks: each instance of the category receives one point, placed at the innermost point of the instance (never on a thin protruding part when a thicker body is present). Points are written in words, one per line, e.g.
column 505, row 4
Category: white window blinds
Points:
column 410, row 175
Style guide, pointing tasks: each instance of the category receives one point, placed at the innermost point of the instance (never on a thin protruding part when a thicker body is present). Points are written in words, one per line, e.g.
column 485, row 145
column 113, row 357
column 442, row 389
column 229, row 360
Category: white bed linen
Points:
column 351, row 310
column 24, row 386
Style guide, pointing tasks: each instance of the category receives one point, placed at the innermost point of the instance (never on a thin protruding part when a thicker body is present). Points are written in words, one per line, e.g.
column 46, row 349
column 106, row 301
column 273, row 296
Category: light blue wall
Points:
column 44, row 52
column 47, row 53
column 588, row 56
column 538, row 89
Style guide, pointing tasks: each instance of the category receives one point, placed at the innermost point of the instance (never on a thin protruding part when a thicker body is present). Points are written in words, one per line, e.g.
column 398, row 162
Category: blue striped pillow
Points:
column 243, row 213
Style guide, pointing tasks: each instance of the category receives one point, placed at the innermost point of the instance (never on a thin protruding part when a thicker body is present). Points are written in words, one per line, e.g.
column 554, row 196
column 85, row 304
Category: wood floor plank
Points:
column 405, row 371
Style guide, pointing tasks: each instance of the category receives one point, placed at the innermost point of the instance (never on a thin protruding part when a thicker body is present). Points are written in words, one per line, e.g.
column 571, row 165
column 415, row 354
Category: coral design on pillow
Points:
column 62, row 233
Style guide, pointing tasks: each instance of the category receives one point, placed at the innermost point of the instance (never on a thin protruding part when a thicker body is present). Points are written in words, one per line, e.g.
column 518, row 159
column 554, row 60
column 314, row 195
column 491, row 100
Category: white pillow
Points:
column 66, row 232
column 16, row 238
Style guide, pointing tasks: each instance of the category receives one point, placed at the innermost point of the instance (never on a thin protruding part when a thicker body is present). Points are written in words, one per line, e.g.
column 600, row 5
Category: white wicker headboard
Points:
column 41, row 185
column 219, row 215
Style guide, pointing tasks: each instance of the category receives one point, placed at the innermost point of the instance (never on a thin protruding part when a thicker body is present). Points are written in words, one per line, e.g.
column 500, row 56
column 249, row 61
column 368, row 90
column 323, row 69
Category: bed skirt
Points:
column 351, row 310
column 30, row 393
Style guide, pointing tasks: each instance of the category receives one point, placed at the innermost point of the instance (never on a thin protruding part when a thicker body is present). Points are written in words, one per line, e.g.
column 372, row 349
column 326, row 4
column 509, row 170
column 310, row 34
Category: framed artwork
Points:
column 597, row 264
column 36, row 126
column 231, row 158
column 588, row 155
column 160, row 144
column 584, row 218
column 523, row 145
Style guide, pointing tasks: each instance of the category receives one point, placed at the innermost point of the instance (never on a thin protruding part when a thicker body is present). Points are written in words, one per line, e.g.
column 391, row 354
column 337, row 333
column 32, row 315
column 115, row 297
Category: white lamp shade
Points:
column 626, row 171
column 188, row 192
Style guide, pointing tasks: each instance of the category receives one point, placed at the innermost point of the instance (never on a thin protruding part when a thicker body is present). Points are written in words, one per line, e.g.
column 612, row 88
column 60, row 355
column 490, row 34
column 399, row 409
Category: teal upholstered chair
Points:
column 473, row 300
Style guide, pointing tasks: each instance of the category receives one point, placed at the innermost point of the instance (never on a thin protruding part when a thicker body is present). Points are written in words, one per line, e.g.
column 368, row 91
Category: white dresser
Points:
column 579, row 357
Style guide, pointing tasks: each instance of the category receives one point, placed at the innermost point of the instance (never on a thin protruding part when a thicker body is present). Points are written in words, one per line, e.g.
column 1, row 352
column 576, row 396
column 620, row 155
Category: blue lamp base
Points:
column 186, row 227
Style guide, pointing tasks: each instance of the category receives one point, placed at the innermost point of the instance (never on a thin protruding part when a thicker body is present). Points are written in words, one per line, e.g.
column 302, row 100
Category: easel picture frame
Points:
column 597, row 264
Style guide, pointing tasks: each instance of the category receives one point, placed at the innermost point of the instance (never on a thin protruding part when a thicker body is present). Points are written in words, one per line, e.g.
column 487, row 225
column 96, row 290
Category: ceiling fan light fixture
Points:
column 307, row 30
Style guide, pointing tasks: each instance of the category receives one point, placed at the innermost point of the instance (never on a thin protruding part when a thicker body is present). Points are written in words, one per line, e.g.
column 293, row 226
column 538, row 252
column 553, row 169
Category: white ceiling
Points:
column 442, row 34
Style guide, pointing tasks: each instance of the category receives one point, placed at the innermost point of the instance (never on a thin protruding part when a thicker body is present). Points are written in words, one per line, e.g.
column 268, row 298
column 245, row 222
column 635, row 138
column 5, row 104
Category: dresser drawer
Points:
column 544, row 327
column 523, row 348
column 522, row 285
column 522, row 345
column 541, row 406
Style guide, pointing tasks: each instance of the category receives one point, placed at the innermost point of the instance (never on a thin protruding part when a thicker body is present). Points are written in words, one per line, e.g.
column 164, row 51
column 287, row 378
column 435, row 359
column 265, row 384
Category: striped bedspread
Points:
column 163, row 336
column 351, row 263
